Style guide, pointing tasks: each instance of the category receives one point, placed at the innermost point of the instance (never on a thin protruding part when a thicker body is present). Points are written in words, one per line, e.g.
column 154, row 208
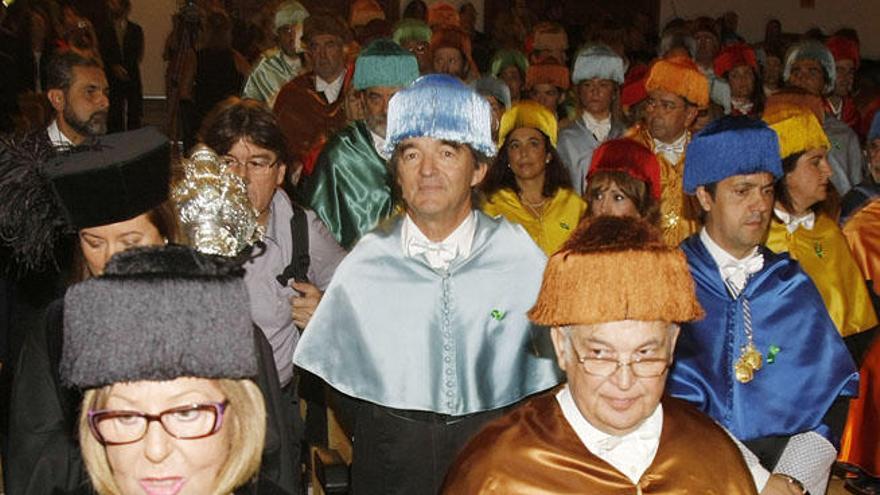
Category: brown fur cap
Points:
column 615, row 269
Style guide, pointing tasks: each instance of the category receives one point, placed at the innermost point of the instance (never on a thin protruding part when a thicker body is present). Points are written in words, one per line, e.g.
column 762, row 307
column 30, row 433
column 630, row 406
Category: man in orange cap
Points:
column 609, row 429
column 676, row 91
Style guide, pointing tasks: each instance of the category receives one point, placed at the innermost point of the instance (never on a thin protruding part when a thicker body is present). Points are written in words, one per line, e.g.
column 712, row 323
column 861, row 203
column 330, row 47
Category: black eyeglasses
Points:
column 254, row 166
column 115, row 427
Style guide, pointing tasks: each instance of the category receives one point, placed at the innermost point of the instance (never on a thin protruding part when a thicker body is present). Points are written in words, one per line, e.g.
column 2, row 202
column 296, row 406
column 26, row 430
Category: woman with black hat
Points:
column 111, row 194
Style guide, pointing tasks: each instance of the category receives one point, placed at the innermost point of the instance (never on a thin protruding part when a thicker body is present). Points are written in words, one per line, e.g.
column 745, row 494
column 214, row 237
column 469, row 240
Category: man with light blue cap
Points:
column 350, row 188
column 597, row 75
column 424, row 324
column 278, row 65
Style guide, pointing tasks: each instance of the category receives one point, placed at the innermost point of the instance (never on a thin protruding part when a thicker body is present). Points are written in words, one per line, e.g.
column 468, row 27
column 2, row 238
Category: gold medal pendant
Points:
column 750, row 360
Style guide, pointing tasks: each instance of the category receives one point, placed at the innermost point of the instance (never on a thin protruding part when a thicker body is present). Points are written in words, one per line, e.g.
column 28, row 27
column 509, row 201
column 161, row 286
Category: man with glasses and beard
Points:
column 78, row 92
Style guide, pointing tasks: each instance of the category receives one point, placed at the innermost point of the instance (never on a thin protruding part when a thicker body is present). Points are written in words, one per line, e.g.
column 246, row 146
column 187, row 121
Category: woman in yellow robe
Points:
column 528, row 184
column 800, row 227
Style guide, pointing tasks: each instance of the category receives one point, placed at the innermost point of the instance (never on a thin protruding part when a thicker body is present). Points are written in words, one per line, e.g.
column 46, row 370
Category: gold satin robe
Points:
column 825, row 256
column 533, row 450
column 862, row 233
column 679, row 213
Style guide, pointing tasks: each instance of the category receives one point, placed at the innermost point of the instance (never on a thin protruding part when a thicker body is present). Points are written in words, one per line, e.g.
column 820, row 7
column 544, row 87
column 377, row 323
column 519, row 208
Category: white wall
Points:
column 863, row 15
column 154, row 16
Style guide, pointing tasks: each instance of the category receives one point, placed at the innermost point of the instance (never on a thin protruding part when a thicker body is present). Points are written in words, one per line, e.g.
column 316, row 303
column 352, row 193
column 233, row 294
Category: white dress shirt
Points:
column 439, row 255
column 734, row 272
column 631, row 454
column 599, row 128
column 332, row 89
column 379, row 145
column 58, row 139
column 672, row 151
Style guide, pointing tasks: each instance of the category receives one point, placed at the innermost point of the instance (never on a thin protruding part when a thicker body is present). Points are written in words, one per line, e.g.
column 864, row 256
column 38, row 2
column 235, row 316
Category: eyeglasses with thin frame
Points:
column 666, row 106
column 605, row 367
column 257, row 166
column 120, row 427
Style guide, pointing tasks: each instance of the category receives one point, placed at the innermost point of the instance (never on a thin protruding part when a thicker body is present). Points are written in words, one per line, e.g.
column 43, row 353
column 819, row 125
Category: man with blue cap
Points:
column 350, row 189
column 766, row 362
column 445, row 345
column 279, row 65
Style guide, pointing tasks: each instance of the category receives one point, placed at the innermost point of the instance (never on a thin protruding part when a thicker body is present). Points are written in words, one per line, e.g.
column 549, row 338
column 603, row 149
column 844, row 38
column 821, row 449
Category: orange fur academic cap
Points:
column 679, row 75
column 615, row 269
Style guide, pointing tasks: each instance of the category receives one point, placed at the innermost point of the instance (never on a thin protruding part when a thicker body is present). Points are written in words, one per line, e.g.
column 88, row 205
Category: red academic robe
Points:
column 534, row 450
column 305, row 117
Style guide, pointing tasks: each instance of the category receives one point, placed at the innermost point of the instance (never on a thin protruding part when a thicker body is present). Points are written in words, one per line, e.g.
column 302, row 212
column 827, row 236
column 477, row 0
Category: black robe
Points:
column 44, row 456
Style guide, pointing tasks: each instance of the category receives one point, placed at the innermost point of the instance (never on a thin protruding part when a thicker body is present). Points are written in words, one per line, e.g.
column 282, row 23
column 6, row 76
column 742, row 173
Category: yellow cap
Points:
column 797, row 127
column 528, row 114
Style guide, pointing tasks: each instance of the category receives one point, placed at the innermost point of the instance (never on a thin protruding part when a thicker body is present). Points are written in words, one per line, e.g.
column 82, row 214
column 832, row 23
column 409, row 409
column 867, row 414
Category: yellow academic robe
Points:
column 558, row 220
column 825, row 256
column 679, row 213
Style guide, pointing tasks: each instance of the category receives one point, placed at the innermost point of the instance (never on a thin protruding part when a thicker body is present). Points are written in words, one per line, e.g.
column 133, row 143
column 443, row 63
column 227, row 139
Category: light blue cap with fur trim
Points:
column 490, row 85
column 731, row 146
column 812, row 50
column 597, row 61
column 440, row 106
column 384, row 63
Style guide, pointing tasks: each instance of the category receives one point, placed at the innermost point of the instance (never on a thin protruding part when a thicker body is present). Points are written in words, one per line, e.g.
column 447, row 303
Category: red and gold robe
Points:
column 679, row 213
column 305, row 117
column 534, row 450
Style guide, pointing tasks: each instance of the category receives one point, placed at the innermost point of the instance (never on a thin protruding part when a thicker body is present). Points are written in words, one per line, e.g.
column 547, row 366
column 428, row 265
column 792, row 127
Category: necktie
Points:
column 437, row 254
column 793, row 223
column 737, row 272
column 610, row 443
column 672, row 152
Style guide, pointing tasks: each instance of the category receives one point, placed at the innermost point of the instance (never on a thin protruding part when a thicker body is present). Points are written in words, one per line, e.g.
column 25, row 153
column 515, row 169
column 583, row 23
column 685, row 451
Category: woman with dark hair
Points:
column 528, row 184
column 801, row 228
column 624, row 180
column 738, row 65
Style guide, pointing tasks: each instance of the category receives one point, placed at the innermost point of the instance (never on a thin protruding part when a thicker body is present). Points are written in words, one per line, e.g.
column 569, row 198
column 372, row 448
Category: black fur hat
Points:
column 158, row 314
column 45, row 193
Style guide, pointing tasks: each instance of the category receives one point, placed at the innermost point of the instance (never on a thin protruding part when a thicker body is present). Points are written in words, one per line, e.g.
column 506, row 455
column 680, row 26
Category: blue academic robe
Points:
column 393, row 331
column 810, row 370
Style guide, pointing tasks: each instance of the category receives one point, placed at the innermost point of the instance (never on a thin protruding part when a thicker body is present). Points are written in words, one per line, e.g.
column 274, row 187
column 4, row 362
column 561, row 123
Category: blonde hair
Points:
column 248, row 424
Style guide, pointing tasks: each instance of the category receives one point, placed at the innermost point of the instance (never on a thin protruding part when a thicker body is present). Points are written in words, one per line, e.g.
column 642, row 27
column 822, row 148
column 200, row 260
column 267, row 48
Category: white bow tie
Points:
column 669, row 148
column 438, row 254
column 610, row 443
column 792, row 223
column 672, row 152
column 737, row 272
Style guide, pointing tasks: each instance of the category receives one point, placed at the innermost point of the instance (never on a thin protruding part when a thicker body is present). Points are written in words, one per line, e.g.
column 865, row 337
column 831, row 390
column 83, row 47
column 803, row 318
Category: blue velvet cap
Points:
column 384, row 63
column 597, row 61
column 730, row 146
column 440, row 106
